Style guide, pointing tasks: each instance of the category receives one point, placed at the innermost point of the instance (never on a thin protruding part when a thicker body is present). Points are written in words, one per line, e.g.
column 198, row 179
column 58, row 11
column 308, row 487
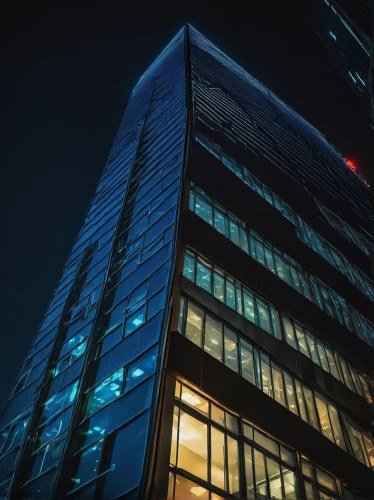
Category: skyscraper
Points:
column 211, row 333
column 346, row 30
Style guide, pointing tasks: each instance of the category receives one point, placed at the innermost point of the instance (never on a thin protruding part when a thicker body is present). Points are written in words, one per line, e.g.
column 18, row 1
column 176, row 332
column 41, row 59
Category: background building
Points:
column 211, row 334
column 346, row 29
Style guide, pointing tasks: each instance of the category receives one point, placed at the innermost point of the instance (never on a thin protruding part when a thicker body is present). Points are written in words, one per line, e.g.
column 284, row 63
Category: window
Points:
column 285, row 267
column 194, row 323
column 228, row 347
column 271, row 476
column 194, row 432
column 12, row 436
column 361, row 442
column 247, row 364
column 51, row 429
column 127, row 455
column 91, row 430
column 141, row 368
column 213, row 337
column 69, row 359
column 204, row 274
column 108, row 390
column 189, row 266
column 60, row 401
column 291, row 394
column 88, row 465
column 203, row 208
column 317, row 482
column 181, row 488
column 47, row 458
column 267, row 384
column 235, row 295
column 193, row 399
column 328, row 252
column 219, row 287
column 323, row 355
column 235, row 229
column 192, row 448
column 231, row 349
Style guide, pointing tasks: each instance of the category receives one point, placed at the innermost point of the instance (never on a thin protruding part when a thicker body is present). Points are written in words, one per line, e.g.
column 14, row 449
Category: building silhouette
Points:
column 211, row 333
column 346, row 30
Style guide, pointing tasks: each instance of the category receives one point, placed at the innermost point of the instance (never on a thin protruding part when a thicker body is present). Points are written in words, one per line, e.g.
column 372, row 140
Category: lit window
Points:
column 61, row 400
column 194, row 324
column 107, row 391
column 213, row 338
column 88, row 465
column 192, row 446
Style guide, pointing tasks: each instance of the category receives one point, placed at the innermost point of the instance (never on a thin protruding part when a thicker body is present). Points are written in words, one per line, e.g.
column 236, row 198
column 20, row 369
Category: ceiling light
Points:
column 197, row 490
column 191, row 399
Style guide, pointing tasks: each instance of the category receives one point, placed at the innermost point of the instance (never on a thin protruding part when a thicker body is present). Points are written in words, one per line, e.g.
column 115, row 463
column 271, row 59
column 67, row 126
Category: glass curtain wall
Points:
column 97, row 348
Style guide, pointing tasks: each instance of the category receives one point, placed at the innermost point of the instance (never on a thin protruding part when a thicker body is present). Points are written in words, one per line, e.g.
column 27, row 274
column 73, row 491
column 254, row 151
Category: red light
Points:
column 351, row 165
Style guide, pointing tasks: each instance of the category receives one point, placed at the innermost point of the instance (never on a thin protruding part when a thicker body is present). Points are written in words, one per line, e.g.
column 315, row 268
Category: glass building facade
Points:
column 211, row 335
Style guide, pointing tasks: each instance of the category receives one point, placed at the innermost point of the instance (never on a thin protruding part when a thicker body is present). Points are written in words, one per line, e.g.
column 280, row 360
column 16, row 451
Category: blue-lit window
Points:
column 52, row 429
column 60, row 401
column 135, row 320
column 126, row 458
column 140, row 369
column 7, row 462
column 69, row 359
column 108, row 390
column 88, row 465
column 47, row 458
column 204, row 274
column 93, row 429
column 12, row 436
column 235, row 230
column 284, row 267
column 233, row 293
column 189, row 266
column 306, row 234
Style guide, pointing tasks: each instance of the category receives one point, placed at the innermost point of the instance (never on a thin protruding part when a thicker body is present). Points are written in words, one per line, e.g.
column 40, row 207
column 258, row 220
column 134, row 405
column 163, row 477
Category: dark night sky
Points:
column 67, row 73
